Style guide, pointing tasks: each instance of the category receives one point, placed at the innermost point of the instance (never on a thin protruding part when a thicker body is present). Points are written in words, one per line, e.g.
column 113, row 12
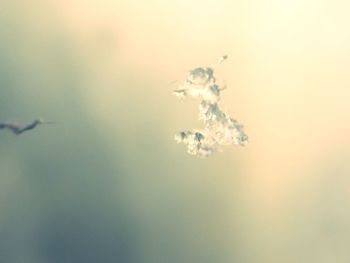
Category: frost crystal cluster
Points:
column 220, row 128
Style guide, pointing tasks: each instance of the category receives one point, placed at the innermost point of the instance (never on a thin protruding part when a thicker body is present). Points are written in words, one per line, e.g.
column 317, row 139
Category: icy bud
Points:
column 220, row 128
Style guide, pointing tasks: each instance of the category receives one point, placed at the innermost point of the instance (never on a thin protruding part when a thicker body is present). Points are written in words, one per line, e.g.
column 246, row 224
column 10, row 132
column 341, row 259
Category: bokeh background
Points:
column 107, row 183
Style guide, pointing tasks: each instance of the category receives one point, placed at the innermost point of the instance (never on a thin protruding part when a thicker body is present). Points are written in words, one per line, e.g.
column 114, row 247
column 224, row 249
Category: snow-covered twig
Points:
column 220, row 128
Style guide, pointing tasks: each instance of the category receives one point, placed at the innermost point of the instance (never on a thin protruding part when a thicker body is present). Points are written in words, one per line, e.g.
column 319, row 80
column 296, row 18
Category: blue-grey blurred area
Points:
column 106, row 182
column 60, row 183
column 69, row 193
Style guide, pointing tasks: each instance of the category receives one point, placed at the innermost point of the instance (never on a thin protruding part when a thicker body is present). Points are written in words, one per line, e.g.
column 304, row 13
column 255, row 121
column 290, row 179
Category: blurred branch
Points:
column 19, row 129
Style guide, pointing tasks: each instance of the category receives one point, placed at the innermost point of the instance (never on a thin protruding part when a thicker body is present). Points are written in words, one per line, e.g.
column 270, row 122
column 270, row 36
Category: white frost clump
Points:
column 220, row 128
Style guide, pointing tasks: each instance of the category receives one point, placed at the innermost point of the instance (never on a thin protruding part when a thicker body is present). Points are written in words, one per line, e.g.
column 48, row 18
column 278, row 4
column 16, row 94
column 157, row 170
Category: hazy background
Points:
column 107, row 183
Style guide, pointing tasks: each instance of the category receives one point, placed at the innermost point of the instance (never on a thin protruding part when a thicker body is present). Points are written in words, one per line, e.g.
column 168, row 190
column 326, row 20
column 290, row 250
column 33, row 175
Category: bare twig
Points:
column 18, row 129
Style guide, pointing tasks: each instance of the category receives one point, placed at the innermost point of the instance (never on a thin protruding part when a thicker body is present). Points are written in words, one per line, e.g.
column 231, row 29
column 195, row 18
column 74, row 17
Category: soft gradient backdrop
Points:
column 107, row 183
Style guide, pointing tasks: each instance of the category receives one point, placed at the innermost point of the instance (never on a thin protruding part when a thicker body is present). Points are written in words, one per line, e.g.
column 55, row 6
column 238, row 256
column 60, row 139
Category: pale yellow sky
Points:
column 287, row 73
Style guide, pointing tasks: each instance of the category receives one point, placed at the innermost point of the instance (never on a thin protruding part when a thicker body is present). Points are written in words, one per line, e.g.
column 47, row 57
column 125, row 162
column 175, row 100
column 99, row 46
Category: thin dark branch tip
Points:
column 17, row 129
